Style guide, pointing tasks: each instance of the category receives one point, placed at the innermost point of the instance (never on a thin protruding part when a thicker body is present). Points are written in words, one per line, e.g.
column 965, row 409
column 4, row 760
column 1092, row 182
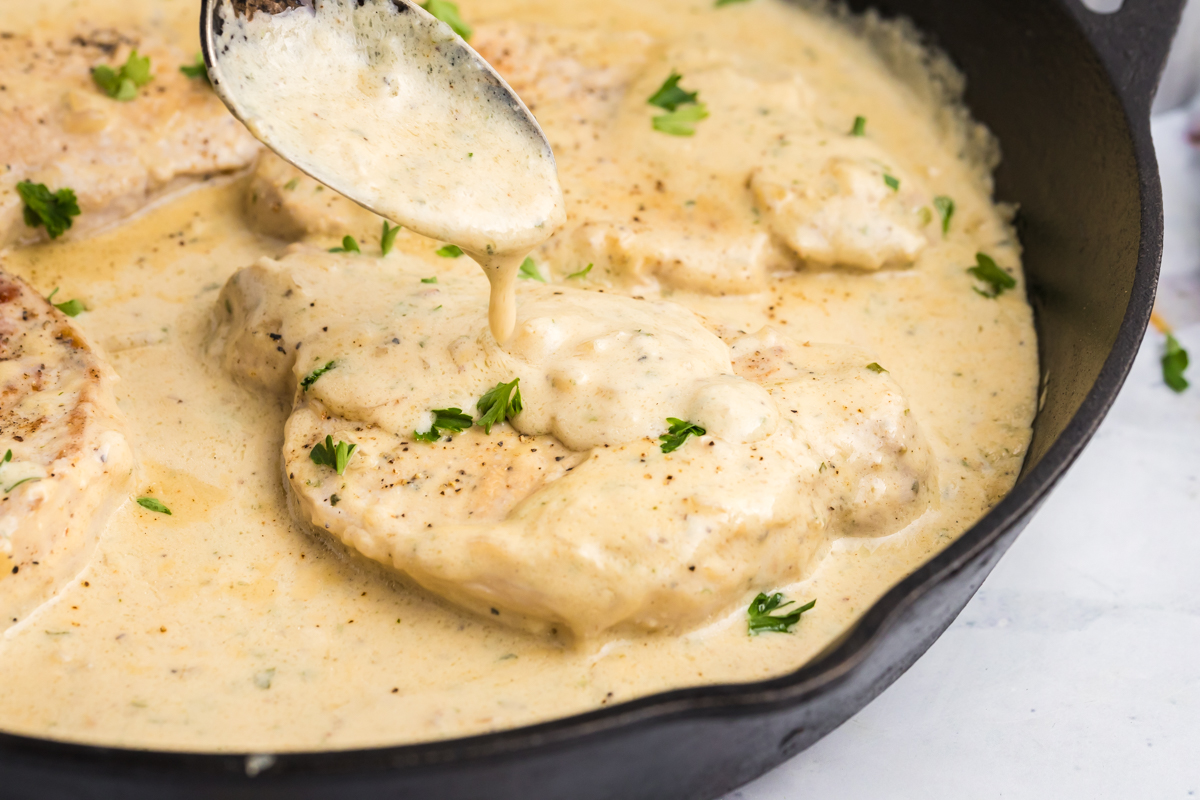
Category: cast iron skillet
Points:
column 1068, row 94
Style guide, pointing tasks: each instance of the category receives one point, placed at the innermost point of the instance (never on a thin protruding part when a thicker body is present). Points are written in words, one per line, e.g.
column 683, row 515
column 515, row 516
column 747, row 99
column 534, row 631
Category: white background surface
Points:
column 1075, row 671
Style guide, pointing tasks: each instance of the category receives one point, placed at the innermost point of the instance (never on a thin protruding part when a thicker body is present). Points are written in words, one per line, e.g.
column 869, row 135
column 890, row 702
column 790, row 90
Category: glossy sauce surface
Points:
column 228, row 626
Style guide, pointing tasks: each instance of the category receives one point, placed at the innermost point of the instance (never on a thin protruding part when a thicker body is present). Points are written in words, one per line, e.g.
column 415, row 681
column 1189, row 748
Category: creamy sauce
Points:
column 384, row 103
column 228, row 626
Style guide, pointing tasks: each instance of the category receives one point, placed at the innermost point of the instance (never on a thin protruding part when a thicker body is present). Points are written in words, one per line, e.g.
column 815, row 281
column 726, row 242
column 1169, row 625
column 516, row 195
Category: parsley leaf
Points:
column 429, row 280
column 669, row 96
column 312, row 377
column 874, row 367
column 892, row 181
column 678, row 433
column 451, row 420
column 151, row 504
column 685, row 110
column 336, row 457
column 447, row 12
column 1174, row 362
column 860, row 127
column 997, row 279
column 945, row 210
column 72, row 308
column 388, row 239
column 349, row 245
column 582, row 273
column 529, row 271
column 762, row 620
column 500, row 403
column 52, row 209
column 7, row 457
column 197, row 70
column 450, row 251
column 123, row 83
column 681, row 122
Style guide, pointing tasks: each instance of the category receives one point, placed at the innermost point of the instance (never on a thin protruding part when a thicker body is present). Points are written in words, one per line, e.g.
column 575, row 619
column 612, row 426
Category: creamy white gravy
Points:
column 385, row 103
column 229, row 627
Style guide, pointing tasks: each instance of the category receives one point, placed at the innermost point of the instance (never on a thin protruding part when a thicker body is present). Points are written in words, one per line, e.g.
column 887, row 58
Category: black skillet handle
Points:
column 1133, row 43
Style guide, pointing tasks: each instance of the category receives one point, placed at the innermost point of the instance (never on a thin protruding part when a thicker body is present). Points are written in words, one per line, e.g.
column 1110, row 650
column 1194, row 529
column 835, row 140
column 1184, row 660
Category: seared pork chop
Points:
column 67, row 464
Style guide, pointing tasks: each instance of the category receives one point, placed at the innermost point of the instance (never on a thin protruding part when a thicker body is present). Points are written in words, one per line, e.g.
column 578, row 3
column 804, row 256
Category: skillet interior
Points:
column 1068, row 96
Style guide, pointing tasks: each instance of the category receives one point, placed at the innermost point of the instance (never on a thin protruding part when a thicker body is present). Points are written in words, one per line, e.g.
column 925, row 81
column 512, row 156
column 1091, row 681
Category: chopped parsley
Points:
column 429, row 280
column 445, row 420
column 387, row 239
column 582, row 273
column 1174, row 363
column 945, row 209
column 678, row 433
column 8, row 489
column 292, row 184
column 7, row 457
column 529, row 271
column 123, row 83
column 874, row 367
column 892, row 181
column 152, row 504
column 998, row 280
column 860, row 127
column 334, row 499
column 449, row 251
column 336, row 457
column 72, row 308
column 684, row 110
column 52, row 209
column 312, row 377
column 500, row 403
column 720, row 3
column 447, row 12
column 197, row 70
column 349, row 245
column 762, row 620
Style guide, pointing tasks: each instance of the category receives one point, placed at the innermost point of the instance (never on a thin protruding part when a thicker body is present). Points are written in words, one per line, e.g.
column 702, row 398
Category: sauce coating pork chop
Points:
column 62, row 130
column 70, row 464
column 570, row 515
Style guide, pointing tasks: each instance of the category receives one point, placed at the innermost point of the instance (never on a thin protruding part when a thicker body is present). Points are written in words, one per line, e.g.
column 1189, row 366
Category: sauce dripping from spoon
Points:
column 385, row 104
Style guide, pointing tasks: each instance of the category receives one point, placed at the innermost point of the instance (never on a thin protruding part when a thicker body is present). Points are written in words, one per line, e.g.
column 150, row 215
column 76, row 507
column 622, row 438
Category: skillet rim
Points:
column 833, row 667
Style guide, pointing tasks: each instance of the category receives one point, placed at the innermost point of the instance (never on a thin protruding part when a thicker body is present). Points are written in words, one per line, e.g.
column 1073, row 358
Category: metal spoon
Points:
column 388, row 106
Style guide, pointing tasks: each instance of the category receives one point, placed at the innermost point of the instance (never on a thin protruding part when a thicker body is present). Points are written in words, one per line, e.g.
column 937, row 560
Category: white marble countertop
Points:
column 1075, row 671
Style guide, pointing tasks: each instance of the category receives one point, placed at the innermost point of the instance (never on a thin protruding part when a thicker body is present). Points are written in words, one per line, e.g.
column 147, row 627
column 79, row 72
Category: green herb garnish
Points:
column 336, row 457
column 892, row 181
column 349, row 245
column 720, row 3
column 1174, row 362
column 762, row 620
column 52, row 209
column 18, row 483
column 312, row 377
column 447, row 12
column 997, row 279
column 449, row 251
column 683, row 107
column 670, row 97
column 151, row 504
column 429, row 280
column 123, row 83
column 445, row 420
column 582, row 273
column 387, row 239
column 529, row 271
column 678, row 433
column 874, row 367
column 72, row 308
column 860, row 127
column 500, row 403
column 945, row 210
column 197, row 70
column 7, row 457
